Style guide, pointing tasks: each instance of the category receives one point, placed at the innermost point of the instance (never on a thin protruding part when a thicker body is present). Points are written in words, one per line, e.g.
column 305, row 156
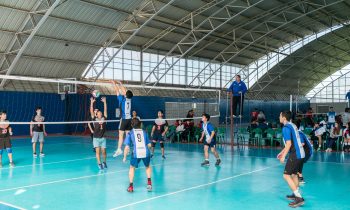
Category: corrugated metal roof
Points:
column 5, row 39
column 84, row 22
column 21, row 4
column 59, row 50
column 47, row 68
column 11, row 19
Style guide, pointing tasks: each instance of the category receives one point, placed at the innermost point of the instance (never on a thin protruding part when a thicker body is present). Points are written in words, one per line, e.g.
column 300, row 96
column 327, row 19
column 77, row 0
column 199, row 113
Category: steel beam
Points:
column 187, row 43
column 147, row 10
column 29, row 39
column 285, row 14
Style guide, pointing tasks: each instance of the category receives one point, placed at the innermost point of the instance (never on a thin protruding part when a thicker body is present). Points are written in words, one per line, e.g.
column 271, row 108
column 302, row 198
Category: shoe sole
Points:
column 297, row 205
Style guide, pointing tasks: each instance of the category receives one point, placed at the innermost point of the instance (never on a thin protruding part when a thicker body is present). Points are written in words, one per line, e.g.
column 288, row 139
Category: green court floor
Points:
column 68, row 178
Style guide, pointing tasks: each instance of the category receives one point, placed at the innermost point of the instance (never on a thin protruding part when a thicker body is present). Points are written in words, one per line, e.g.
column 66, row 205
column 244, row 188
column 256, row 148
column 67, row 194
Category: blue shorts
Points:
column 157, row 137
column 134, row 162
column 212, row 143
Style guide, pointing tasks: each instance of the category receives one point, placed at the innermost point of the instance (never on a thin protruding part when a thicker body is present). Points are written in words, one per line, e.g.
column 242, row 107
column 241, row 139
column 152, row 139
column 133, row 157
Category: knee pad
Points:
column 161, row 145
column 9, row 150
column 153, row 144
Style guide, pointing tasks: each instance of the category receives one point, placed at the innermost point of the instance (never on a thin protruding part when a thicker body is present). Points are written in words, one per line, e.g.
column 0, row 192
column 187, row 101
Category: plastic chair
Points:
column 257, row 136
column 278, row 136
column 221, row 133
column 270, row 134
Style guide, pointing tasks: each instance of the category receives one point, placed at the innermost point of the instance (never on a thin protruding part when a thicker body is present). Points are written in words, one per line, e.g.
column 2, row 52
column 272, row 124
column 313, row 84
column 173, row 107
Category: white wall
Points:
column 338, row 107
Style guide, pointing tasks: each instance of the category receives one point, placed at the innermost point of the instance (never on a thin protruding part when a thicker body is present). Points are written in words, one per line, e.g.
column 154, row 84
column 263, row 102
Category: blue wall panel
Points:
column 20, row 108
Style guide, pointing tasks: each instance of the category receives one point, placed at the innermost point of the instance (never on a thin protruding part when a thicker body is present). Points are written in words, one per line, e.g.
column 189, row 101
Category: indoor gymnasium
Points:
column 174, row 104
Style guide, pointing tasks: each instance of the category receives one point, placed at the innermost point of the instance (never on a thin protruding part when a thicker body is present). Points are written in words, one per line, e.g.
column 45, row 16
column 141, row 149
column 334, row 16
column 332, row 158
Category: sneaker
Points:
column 117, row 153
column 100, row 166
column 218, row 161
column 291, row 197
column 149, row 187
column 319, row 149
column 301, row 180
column 35, row 155
column 297, row 202
column 234, row 116
column 163, row 156
column 130, row 189
column 205, row 163
column 105, row 165
column 42, row 155
column 12, row 165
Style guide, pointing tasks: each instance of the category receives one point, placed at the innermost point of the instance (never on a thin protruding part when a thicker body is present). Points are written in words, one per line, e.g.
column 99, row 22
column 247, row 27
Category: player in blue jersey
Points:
column 294, row 148
column 124, row 100
column 138, row 139
column 209, row 137
column 308, row 148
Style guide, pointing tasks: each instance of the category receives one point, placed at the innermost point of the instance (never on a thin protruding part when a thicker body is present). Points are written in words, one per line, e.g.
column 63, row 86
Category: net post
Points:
column 232, row 123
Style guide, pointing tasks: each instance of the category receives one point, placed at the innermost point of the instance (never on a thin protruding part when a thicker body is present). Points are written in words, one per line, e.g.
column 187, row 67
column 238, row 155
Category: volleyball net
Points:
column 65, row 104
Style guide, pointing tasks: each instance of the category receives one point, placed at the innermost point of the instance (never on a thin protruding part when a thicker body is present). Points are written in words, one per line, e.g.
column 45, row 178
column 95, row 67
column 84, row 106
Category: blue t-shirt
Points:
column 131, row 141
column 236, row 87
column 208, row 128
column 348, row 95
column 125, row 107
column 331, row 117
column 290, row 133
column 306, row 141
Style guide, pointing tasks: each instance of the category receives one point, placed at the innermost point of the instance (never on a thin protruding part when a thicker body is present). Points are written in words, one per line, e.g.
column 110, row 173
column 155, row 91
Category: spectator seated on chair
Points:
column 346, row 136
column 334, row 134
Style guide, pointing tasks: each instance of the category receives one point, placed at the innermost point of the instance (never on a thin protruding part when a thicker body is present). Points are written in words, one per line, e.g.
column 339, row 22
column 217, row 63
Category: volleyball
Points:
column 96, row 93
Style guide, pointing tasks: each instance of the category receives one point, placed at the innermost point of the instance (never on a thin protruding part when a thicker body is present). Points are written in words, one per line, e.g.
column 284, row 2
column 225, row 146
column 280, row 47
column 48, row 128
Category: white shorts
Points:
column 38, row 136
column 320, row 131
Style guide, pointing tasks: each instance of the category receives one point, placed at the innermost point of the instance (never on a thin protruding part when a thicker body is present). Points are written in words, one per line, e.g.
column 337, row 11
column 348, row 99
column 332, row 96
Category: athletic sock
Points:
column 297, row 193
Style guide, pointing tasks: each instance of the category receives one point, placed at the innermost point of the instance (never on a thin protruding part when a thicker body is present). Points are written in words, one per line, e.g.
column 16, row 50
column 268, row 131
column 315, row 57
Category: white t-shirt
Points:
column 345, row 117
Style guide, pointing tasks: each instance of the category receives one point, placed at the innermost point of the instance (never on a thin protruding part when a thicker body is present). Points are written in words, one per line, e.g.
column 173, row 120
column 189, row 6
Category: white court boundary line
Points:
column 194, row 187
column 76, row 178
column 49, row 163
column 10, row 205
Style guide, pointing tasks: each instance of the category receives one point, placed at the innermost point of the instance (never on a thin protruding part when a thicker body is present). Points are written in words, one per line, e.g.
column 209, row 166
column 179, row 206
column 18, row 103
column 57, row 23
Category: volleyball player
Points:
column 124, row 98
column 99, row 130
column 308, row 153
column 91, row 127
column 209, row 141
column 159, row 129
column 141, row 152
column 294, row 148
column 5, row 141
column 37, row 132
